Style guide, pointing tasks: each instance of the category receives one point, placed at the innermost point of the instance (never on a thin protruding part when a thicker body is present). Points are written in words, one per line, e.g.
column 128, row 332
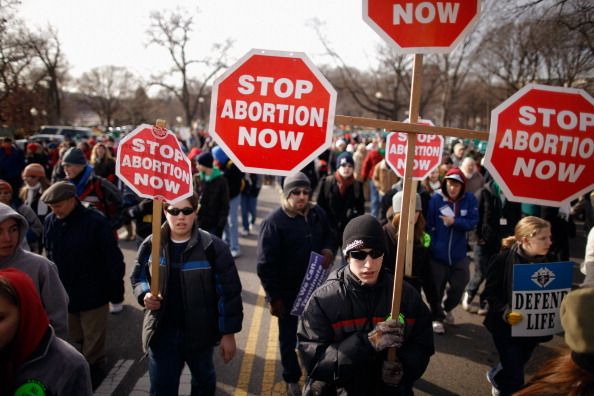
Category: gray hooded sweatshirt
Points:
column 43, row 272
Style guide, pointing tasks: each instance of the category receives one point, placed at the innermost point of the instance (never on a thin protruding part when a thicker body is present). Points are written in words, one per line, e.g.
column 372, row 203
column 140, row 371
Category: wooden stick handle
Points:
column 156, row 246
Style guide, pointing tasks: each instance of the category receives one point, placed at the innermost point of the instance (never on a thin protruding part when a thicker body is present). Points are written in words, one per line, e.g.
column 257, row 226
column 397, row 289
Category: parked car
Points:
column 72, row 132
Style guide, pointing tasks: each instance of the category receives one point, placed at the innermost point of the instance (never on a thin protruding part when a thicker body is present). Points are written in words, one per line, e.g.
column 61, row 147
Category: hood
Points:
column 6, row 212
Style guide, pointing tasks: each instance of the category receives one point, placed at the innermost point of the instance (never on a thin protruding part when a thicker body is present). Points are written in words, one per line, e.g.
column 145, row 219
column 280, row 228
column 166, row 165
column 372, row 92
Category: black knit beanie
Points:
column 74, row 156
column 295, row 181
column 363, row 232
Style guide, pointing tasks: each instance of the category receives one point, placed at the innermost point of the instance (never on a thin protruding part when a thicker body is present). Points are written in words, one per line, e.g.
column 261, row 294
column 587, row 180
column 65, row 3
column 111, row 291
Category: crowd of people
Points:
column 62, row 211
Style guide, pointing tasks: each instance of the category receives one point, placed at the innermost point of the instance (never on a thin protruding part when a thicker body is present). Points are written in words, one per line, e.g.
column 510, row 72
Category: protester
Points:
column 346, row 328
column 474, row 180
column 287, row 238
column 213, row 191
column 102, row 162
column 421, row 277
column 339, row 147
column 35, row 183
column 249, row 201
column 103, row 195
column 33, row 361
column 529, row 244
column 198, row 305
column 588, row 264
column 373, row 157
column 93, row 189
column 12, row 162
column 13, row 228
column 35, row 228
column 572, row 372
column 384, row 179
column 452, row 213
column 235, row 181
column 341, row 195
column 497, row 217
column 457, row 155
column 91, row 266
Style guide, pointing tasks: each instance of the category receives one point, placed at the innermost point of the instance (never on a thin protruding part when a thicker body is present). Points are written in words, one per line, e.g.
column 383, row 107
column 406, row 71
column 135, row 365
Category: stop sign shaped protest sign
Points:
column 541, row 145
column 151, row 162
column 421, row 26
column 428, row 152
column 272, row 112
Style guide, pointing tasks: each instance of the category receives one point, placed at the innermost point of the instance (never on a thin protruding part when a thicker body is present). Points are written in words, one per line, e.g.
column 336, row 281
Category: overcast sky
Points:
column 113, row 32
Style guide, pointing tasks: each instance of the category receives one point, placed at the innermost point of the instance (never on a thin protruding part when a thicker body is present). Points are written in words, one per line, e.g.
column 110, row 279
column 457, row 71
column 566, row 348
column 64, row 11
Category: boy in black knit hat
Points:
column 346, row 328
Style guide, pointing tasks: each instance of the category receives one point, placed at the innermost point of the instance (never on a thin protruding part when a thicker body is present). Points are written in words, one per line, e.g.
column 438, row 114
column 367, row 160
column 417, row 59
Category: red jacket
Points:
column 371, row 159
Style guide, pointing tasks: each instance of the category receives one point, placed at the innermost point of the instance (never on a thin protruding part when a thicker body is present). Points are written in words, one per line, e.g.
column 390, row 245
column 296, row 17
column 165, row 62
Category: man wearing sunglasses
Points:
column 198, row 306
column 287, row 238
column 346, row 329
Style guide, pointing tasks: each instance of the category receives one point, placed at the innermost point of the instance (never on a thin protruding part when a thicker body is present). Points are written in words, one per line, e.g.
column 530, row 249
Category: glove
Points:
column 513, row 317
column 386, row 334
column 392, row 372
column 328, row 258
column 277, row 308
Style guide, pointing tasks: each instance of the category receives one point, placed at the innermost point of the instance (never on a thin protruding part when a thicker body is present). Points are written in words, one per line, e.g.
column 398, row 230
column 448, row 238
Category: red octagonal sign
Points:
column 421, row 26
column 272, row 112
column 541, row 145
column 151, row 162
column 428, row 152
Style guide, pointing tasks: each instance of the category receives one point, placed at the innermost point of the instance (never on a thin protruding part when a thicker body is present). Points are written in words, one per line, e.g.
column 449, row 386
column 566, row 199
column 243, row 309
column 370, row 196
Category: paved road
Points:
column 458, row 368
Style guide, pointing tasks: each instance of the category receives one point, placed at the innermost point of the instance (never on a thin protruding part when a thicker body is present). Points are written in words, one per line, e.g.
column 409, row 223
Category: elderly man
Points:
column 13, row 228
column 81, row 243
column 287, row 238
column 102, row 195
column 474, row 180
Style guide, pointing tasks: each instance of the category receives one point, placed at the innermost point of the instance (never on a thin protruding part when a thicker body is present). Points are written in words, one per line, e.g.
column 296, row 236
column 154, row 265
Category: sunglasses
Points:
column 362, row 254
column 177, row 211
column 305, row 191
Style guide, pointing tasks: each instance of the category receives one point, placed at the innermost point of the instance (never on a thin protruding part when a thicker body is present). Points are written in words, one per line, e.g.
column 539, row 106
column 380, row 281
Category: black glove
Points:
column 277, row 308
column 386, row 334
column 392, row 372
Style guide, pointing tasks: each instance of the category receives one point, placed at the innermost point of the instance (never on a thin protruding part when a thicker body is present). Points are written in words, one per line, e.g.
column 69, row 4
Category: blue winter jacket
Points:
column 448, row 244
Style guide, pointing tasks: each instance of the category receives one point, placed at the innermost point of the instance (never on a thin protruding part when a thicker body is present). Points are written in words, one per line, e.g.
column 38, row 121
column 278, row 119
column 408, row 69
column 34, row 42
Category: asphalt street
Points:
column 463, row 354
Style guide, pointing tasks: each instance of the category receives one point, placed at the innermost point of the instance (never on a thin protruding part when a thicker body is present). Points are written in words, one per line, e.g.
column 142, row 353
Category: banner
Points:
column 538, row 290
column 314, row 277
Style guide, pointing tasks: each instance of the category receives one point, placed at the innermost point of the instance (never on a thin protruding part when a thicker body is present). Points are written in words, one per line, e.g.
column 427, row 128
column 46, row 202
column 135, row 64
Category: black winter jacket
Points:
column 214, row 203
column 496, row 220
column 340, row 208
column 90, row 263
column 285, row 244
column 499, row 288
column 332, row 334
column 211, row 289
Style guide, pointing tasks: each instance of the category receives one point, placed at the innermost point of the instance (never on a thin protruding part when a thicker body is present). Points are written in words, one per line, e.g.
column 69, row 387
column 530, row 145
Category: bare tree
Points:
column 171, row 30
column 105, row 88
column 46, row 48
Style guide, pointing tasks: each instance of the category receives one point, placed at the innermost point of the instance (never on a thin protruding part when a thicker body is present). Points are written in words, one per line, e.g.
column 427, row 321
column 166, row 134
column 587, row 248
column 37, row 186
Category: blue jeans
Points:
column 374, row 199
column 167, row 356
column 287, row 337
column 232, row 228
column 248, row 207
column 514, row 353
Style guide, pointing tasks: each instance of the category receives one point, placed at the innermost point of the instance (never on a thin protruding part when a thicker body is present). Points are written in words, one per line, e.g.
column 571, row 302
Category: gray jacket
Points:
column 58, row 367
column 43, row 272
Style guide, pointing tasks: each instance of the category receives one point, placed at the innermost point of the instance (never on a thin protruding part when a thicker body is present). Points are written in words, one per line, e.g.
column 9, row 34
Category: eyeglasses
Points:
column 362, row 254
column 305, row 191
column 177, row 211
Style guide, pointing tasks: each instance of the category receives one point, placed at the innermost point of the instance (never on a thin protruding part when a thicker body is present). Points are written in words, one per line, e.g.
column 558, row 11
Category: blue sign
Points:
column 538, row 290
column 314, row 277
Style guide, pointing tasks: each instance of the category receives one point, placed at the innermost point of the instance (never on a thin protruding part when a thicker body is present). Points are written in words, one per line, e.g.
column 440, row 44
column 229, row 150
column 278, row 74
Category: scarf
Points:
column 343, row 183
column 81, row 181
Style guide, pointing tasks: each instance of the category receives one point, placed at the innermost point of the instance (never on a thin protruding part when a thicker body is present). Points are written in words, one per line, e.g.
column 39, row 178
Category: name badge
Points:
column 503, row 221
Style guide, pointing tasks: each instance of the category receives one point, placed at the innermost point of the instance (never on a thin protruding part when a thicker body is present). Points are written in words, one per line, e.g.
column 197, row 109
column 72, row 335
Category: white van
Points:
column 72, row 132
